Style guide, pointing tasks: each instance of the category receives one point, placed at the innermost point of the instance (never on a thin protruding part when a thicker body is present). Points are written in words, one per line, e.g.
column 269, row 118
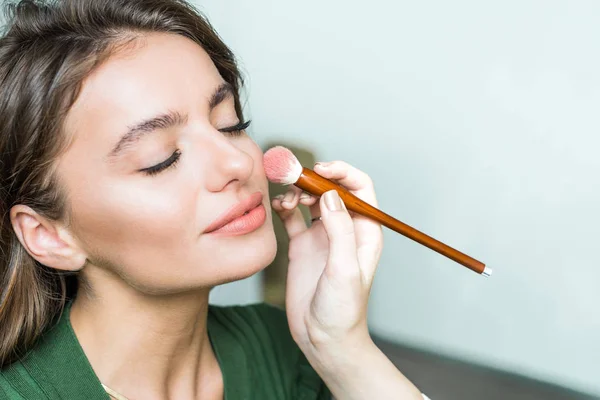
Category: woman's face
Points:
column 135, row 212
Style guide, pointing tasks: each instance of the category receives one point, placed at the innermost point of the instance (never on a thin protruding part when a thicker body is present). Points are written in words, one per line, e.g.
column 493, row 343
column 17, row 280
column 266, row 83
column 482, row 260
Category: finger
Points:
column 313, row 205
column 350, row 177
column 359, row 183
column 292, row 219
column 315, row 210
column 291, row 197
column 308, row 199
column 342, row 263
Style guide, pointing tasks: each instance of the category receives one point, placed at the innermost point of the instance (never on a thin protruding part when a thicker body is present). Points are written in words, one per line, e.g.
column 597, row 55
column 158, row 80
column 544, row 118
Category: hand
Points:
column 331, row 263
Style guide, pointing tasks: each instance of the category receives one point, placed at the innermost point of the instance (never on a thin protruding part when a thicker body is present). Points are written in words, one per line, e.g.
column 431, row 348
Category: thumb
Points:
column 340, row 231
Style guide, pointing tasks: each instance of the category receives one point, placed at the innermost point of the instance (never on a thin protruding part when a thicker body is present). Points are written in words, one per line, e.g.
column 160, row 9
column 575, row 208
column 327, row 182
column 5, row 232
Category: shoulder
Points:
column 16, row 383
column 259, row 322
column 262, row 333
column 257, row 312
column 54, row 368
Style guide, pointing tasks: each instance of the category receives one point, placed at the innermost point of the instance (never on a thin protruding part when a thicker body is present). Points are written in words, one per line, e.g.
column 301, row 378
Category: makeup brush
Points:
column 281, row 166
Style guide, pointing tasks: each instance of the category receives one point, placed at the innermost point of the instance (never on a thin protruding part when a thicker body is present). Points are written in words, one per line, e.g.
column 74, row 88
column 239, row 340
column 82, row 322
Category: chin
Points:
column 248, row 258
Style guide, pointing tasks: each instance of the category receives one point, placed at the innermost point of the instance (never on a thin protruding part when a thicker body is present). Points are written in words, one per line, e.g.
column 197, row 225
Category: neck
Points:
column 150, row 347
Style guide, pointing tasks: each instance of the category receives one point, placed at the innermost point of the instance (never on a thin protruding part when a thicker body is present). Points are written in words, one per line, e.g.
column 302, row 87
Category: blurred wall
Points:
column 240, row 292
column 479, row 123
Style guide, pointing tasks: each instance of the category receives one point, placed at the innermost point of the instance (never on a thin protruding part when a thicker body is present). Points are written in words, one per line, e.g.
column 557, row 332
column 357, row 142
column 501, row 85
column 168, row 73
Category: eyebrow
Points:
column 223, row 92
column 167, row 120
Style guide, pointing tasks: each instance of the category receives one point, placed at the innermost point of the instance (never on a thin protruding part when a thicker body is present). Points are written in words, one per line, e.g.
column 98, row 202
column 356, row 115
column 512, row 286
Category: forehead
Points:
column 158, row 72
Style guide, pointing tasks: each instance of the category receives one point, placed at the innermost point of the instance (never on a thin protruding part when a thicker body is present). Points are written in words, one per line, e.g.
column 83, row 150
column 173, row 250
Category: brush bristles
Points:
column 281, row 166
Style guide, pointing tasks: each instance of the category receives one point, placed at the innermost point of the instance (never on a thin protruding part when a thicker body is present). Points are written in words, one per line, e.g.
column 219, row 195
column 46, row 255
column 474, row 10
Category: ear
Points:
column 46, row 241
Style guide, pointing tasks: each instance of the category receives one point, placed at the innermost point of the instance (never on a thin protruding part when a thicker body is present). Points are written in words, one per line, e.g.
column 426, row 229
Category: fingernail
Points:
column 288, row 197
column 278, row 197
column 320, row 164
column 304, row 196
column 333, row 201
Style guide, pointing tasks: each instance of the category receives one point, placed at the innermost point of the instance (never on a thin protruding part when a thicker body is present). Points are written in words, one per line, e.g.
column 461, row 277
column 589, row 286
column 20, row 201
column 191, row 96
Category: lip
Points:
column 239, row 209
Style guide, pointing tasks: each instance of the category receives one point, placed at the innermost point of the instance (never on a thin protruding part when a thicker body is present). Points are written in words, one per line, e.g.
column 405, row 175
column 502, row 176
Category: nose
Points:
column 229, row 163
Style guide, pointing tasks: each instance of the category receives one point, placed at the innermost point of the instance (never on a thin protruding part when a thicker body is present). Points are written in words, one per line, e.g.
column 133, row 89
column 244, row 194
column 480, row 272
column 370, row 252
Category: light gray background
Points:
column 479, row 123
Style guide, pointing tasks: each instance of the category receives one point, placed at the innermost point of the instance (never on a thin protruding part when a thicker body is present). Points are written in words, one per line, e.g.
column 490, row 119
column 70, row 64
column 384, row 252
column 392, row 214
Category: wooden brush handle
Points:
column 315, row 184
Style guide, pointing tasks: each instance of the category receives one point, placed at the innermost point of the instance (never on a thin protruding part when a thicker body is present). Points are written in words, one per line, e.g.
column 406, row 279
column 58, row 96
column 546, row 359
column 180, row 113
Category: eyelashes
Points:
column 169, row 162
column 235, row 131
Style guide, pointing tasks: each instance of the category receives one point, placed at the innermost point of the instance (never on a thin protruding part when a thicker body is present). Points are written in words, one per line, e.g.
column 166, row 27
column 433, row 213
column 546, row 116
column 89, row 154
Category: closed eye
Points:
column 158, row 168
column 237, row 129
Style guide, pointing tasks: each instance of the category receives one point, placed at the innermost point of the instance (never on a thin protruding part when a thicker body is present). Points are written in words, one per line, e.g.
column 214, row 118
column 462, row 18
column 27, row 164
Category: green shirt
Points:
column 256, row 353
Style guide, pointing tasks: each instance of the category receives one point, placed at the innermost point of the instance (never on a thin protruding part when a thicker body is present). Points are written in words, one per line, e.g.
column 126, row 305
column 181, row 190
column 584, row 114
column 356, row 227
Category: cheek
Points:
column 257, row 155
column 127, row 215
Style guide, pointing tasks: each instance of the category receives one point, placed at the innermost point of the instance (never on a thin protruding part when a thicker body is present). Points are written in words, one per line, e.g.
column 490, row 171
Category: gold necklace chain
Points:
column 113, row 393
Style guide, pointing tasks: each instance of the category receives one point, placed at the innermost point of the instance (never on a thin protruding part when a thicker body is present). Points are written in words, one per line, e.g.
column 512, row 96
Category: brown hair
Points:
column 48, row 48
